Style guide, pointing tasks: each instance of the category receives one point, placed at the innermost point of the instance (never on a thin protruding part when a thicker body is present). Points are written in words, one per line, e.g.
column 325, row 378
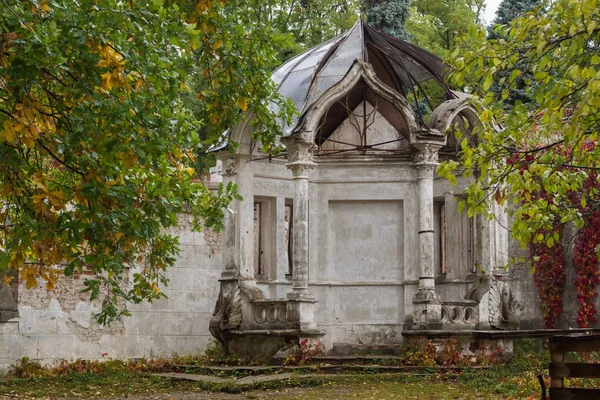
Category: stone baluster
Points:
column 427, row 304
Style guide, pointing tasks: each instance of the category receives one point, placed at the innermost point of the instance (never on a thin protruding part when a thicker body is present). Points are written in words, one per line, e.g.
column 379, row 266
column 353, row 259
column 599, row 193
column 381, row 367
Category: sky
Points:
column 490, row 10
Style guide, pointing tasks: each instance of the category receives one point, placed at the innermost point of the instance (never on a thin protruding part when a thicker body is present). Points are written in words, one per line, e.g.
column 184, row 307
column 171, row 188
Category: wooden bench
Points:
column 559, row 346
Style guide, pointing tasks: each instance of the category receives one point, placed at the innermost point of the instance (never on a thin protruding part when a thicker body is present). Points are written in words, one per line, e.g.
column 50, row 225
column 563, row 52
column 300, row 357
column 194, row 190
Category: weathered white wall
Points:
column 361, row 214
column 59, row 325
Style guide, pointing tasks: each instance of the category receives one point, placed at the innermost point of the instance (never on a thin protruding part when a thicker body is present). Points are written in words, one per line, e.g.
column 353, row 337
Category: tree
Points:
column 507, row 11
column 543, row 157
column 301, row 24
column 439, row 25
column 98, row 147
column 388, row 16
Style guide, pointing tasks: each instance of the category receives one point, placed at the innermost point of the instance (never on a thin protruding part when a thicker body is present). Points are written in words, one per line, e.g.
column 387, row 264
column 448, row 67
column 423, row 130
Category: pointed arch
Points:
column 310, row 120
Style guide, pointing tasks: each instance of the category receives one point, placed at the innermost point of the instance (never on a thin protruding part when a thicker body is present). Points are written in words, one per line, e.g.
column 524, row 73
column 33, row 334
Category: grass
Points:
column 127, row 384
column 516, row 379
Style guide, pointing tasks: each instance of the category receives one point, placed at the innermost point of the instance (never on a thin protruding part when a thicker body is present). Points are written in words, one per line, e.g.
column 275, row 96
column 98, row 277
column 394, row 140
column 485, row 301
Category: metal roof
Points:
column 397, row 63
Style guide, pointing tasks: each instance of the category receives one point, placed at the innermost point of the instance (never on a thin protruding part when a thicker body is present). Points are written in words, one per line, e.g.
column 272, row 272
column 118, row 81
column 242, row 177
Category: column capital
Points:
column 426, row 155
column 300, row 168
column 300, row 158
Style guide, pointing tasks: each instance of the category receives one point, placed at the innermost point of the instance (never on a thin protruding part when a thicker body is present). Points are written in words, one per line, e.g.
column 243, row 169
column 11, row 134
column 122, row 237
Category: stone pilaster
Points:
column 427, row 303
column 238, row 237
column 228, row 256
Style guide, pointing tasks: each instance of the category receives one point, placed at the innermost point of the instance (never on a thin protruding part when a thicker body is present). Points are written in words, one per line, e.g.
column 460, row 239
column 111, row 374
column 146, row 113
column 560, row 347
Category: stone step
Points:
column 323, row 368
column 252, row 380
column 344, row 360
column 351, row 349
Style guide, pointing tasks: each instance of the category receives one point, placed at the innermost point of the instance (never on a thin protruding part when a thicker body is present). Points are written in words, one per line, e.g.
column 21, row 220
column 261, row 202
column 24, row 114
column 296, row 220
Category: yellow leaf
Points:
column 8, row 132
column 107, row 82
column 28, row 142
column 39, row 181
column 243, row 105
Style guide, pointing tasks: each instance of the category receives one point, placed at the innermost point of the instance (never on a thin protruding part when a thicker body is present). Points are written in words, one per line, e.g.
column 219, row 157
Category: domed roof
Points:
column 399, row 64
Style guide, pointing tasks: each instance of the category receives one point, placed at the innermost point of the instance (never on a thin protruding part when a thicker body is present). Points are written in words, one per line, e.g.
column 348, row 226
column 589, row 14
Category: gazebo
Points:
column 350, row 237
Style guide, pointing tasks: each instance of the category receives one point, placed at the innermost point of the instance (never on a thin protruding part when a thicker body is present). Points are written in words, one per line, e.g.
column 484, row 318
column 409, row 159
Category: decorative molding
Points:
column 444, row 115
column 460, row 314
column 299, row 153
column 504, row 311
column 270, row 313
column 229, row 166
column 300, row 169
column 228, row 312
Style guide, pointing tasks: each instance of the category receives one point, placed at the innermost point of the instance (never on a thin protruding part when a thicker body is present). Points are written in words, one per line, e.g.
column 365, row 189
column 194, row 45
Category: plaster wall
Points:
column 59, row 325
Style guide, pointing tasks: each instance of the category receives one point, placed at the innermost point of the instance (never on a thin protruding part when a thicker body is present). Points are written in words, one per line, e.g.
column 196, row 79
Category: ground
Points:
column 358, row 390
column 418, row 376
column 379, row 391
column 148, row 387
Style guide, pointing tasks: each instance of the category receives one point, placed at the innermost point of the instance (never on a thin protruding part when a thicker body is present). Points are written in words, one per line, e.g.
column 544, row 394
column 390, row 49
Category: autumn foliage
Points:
column 106, row 109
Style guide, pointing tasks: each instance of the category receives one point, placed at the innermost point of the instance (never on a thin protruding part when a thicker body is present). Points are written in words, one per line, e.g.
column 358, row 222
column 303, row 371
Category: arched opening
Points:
column 362, row 122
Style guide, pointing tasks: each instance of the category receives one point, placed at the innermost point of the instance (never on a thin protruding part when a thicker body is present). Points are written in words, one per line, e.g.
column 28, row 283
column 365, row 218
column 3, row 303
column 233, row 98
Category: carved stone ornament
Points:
column 300, row 159
column 229, row 166
column 426, row 154
column 228, row 312
column 300, row 168
column 300, row 153
column 503, row 310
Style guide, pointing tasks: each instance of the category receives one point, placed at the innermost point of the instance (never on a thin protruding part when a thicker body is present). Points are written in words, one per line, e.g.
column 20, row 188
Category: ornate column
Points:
column 300, row 307
column 300, row 163
column 427, row 304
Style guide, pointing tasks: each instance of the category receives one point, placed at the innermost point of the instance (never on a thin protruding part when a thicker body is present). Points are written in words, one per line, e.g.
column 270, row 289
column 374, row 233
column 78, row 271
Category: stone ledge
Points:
column 277, row 332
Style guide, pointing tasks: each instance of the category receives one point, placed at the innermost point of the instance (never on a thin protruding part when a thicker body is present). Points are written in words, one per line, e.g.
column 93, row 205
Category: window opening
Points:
column 443, row 266
column 289, row 222
column 472, row 241
column 258, row 245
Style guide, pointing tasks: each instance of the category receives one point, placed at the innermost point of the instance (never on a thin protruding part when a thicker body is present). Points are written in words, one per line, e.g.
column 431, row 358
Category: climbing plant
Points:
column 549, row 275
column 558, row 44
column 585, row 257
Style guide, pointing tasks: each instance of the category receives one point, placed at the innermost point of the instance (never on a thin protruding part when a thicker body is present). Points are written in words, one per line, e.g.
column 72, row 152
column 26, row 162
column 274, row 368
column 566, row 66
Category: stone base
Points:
column 427, row 310
column 301, row 312
column 264, row 344
column 353, row 349
column 471, row 341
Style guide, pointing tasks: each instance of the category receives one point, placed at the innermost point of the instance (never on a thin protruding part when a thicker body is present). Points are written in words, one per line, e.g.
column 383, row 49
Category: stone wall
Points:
column 59, row 325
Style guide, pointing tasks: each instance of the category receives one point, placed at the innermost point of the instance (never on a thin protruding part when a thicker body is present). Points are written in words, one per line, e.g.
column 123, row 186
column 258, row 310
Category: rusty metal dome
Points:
column 401, row 65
